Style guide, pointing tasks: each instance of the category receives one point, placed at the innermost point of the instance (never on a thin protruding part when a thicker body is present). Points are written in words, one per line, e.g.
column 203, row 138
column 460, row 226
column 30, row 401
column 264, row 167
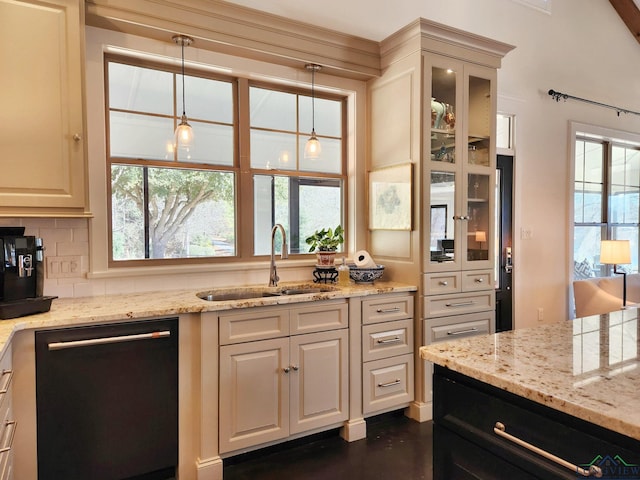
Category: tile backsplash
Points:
column 66, row 242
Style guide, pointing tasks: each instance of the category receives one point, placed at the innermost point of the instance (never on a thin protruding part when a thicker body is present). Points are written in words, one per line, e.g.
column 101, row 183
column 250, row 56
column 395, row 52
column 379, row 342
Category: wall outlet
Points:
column 540, row 314
column 64, row 267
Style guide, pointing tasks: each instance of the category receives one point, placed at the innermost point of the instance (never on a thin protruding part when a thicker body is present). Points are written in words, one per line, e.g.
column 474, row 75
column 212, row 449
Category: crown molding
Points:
column 240, row 31
column 423, row 35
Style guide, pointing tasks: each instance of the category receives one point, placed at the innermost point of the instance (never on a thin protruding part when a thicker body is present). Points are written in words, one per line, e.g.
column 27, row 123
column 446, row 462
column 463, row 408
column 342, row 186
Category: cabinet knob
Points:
column 77, row 137
column 444, row 283
column 295, row 368
column 286, row 369
column 479, row 280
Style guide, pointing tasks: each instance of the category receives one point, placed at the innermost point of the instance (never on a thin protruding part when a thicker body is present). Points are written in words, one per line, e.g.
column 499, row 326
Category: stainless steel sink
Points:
column 235, row 295
column 249, row 293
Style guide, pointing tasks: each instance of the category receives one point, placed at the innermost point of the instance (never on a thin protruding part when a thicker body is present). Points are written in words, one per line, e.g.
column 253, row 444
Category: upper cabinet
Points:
column 42, row 140
column 459, row 164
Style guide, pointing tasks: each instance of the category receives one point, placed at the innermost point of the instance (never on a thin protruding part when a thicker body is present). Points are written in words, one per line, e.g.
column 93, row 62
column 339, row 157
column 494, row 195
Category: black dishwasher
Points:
column 107, row 401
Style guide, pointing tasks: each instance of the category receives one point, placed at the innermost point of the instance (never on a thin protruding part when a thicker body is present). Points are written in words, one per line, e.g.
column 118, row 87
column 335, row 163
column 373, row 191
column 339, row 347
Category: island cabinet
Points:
column 41, row 90
column 481, row 431
column 283, row 371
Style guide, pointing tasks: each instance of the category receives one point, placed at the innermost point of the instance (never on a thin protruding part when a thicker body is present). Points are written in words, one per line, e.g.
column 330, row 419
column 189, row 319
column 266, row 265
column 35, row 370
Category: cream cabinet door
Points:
column 254, row 393
column 319, row 380
column 41, row 93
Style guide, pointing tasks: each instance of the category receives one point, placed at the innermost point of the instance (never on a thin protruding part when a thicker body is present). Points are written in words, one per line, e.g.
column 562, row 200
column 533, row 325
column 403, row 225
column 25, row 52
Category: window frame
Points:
column 608, row 139
column 241, row 168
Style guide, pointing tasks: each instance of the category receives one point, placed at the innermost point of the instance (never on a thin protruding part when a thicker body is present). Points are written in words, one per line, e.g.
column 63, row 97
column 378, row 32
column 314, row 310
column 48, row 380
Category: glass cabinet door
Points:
column 479, row 123
column 443, row 114
column 442, row 226
column 478, row 232
column 461, row 170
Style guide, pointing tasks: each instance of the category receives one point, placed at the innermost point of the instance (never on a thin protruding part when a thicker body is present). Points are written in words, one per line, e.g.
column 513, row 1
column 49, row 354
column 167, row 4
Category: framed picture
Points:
column 390, row 198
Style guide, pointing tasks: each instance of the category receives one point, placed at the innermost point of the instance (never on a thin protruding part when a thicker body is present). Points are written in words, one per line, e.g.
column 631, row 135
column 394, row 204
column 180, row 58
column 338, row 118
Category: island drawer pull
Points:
column 8, row 374
column 389, row 384
column 388, row 310
column 500, row 430
column 12, row 425
column 106, row 340
column 462, row 332
column 460, row 304
column 395, row 339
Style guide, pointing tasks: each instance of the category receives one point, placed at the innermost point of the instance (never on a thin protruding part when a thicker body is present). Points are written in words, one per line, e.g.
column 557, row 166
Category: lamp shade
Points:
column 614, row 252
column 481, row 236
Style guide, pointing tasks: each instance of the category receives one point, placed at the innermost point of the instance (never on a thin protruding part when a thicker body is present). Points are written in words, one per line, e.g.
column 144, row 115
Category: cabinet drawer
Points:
column 444, row 305
column 477, row 280
column 319, row 317
column 387, row 383
column 459, row 326
column 382, row 340
column 387, row 308
column 471, row 409
column 253, row 324
column 440, row 283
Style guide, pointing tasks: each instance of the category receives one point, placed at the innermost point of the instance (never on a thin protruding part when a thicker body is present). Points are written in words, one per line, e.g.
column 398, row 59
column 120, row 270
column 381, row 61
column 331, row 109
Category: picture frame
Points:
column 391, row 198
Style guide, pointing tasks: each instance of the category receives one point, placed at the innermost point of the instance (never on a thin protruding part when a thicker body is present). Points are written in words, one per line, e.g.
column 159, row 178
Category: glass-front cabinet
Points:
column 459, row 160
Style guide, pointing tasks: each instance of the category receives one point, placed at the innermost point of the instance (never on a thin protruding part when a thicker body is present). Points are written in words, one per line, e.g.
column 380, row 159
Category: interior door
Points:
column 504, row 254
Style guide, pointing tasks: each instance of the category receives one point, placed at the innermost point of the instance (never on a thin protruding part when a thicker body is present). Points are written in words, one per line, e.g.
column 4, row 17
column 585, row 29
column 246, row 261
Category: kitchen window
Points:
column 606, row 201
column 174, row 205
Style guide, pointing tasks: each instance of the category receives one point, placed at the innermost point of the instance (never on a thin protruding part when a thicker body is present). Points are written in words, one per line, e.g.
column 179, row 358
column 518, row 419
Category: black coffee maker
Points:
column 21, row 274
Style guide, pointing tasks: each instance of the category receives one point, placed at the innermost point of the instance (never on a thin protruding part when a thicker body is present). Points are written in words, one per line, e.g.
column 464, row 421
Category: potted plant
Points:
column 325, row 242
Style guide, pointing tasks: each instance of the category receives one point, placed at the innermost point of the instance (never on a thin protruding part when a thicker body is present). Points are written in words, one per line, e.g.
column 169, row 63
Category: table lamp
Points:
column 614, row 252
column 481, row 237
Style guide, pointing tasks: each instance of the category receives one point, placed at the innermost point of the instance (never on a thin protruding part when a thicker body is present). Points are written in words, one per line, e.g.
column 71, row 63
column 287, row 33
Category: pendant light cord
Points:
column 183, row 105
column 313, row 99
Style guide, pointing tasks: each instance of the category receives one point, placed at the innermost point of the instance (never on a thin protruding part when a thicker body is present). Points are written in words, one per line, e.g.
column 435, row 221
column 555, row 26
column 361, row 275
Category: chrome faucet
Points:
column 273, row 273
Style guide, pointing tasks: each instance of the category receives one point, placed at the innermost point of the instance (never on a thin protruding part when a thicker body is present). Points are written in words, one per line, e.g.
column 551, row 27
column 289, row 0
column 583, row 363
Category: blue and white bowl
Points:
column 365, row 274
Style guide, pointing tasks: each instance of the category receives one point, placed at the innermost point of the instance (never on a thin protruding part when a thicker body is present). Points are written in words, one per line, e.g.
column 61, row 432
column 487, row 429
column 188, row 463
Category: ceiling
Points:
column 630, row 14
column 362, row 19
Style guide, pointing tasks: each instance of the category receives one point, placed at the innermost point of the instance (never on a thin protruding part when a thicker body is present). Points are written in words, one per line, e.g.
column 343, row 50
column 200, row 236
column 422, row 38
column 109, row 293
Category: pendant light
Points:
column 313, row 149
column 184, row 132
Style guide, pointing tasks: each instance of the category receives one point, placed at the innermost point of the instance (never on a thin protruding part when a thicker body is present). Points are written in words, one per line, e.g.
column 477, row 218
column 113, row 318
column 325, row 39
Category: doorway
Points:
column 504, row 253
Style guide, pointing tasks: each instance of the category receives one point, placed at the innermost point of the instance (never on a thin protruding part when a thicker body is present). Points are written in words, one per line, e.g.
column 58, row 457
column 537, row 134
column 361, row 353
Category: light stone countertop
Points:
column 104, row 309
column 588, row 368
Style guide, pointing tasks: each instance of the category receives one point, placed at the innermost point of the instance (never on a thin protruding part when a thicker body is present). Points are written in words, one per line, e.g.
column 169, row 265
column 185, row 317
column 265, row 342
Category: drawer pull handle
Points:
column 389, row 384
column 500, row 430
column 7, row 446
column 8, row 375
column 390, row 340
column 444, row 283
column 479, row 280
column 462, row 332
column 460, row 304
column 388, row 310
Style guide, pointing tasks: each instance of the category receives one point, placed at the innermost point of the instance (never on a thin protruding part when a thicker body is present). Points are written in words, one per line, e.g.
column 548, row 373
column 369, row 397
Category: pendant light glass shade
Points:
column 184, row 132
column 313, row 149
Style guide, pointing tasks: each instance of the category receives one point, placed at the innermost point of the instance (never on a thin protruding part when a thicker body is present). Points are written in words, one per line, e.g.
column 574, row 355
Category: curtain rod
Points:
column 564, row 96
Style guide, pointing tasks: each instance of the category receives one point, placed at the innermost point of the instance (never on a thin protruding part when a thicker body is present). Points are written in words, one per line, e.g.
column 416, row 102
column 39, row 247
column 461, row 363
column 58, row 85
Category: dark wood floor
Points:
column 395, row 448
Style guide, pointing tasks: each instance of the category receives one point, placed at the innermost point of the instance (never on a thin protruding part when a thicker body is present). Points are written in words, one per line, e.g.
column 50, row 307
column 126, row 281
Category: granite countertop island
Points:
column 103, row 309
column 588, row 368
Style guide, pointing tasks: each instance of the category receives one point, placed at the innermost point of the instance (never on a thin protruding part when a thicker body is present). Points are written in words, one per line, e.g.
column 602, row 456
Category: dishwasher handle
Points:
column 108, row 340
